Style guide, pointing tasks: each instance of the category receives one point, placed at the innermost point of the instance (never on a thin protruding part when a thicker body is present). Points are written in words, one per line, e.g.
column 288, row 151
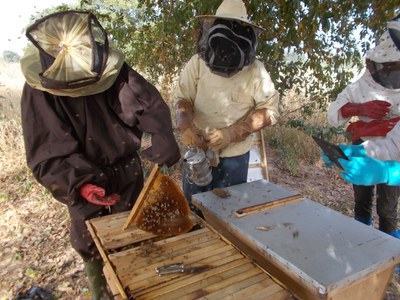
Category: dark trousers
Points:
column 230, row 171
column 386, row 204
column 126, row 179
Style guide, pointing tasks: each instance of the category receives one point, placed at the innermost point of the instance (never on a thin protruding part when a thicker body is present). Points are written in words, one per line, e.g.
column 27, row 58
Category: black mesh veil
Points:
column 227, row 45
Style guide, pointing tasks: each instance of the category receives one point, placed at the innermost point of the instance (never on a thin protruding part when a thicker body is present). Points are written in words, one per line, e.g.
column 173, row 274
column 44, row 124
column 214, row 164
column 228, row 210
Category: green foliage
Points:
column 327, row 38
column 10, row 56
column 325, row 132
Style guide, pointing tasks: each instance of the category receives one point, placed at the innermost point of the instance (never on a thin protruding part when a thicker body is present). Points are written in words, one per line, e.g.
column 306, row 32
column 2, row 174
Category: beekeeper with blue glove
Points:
column 375, row 100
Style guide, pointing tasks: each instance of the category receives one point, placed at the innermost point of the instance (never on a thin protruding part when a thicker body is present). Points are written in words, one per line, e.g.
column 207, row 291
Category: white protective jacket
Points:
column 387, row 148
column 219, row 101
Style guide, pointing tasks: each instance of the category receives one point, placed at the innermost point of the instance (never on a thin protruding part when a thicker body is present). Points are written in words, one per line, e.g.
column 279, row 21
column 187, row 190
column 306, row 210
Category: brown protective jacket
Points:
column 93, row 139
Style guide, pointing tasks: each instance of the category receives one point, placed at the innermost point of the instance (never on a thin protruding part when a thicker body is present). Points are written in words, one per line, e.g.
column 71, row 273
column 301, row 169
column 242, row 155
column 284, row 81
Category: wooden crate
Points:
column 132, row 255
column 315, row 251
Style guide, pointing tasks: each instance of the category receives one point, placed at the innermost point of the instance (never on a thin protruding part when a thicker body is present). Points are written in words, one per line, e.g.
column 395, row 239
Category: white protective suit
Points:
column 366, row 89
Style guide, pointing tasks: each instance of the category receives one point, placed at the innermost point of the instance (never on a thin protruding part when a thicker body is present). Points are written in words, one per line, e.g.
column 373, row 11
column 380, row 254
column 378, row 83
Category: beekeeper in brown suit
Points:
column 84, row 111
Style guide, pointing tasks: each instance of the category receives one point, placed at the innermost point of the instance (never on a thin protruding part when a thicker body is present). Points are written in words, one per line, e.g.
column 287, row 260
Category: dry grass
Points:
column 34, row 242
column 14, row 172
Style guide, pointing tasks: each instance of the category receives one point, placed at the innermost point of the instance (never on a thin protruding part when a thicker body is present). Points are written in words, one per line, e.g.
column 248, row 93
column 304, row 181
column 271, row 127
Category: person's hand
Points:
column 365, row 171
column 375, row 109
column 348, row 150
column 218, row 139
column 97, row 195
column 192, row 136
column 374, row 128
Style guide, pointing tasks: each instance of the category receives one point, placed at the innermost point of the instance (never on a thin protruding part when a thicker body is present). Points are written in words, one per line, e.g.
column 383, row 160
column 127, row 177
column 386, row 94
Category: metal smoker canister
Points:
column 197, row 167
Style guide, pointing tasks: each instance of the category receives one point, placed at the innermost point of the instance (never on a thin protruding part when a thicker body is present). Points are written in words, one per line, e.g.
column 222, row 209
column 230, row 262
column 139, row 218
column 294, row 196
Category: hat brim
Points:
column 213, row 17
column 384, row 51
column 31, row 67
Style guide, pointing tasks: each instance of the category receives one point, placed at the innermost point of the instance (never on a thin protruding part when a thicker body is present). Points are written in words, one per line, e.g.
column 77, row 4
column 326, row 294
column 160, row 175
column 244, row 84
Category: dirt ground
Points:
column 34, row 234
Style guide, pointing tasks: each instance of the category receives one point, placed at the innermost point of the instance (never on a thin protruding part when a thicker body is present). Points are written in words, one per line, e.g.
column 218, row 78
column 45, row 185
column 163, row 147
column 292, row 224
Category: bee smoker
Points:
column 197, row 166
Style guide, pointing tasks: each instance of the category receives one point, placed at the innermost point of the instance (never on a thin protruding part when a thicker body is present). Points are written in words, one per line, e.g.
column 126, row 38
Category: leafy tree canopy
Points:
column 314, row 45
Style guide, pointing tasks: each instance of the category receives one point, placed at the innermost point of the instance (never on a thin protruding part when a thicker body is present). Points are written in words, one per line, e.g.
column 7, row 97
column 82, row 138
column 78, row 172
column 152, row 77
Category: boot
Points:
column 366, row 221
column 395, row 233
column 96, row 279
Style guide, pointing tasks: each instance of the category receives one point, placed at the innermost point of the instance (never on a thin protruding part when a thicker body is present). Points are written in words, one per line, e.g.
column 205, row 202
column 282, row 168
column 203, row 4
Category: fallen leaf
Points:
column 221, row 193
column 265, row 228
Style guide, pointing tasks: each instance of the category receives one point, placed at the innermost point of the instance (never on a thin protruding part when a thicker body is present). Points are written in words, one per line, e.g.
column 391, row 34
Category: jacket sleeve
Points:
column 143, row 106
column 385, row 148
column 335, row 117
column 266, row 96
column 186, row 87
column 52, row 152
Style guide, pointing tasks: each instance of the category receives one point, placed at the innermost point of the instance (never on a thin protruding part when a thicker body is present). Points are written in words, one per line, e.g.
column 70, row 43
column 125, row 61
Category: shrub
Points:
column 293, row 146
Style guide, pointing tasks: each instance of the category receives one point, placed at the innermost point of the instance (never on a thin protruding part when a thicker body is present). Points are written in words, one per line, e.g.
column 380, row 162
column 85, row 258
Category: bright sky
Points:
column 14, row 17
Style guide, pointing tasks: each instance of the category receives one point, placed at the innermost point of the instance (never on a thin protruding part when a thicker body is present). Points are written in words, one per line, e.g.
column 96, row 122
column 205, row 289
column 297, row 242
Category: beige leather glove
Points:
column 190, row 134
column 220, row 138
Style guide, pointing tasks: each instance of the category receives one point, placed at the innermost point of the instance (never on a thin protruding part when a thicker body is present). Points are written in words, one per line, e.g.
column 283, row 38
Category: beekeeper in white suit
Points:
column 224, row 94
column 373, row 103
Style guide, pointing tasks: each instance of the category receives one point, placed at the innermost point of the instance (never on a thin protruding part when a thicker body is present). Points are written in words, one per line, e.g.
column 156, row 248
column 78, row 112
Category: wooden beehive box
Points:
column 131, row 257
column 315, row 251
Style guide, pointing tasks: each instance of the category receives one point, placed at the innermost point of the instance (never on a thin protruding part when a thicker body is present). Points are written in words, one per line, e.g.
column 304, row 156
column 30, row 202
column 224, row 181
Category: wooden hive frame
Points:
column 131, row 256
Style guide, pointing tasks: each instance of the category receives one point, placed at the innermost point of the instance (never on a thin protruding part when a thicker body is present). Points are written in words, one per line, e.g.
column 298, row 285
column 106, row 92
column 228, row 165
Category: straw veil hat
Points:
column 70, row 55
column 231, row 10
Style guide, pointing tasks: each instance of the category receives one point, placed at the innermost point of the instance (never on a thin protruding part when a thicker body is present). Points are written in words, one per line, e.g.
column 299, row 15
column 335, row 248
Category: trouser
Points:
column 230, row 171
column 386, row 204
column 124, row 178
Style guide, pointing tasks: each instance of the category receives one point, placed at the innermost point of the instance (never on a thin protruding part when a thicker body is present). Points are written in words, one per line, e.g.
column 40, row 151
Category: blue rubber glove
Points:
column 370, row 171
column 349, row 150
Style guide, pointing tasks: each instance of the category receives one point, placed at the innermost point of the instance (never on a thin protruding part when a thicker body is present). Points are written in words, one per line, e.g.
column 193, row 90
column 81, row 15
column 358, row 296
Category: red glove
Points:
column 375, row 109
column 373, row 128
column 97, row 195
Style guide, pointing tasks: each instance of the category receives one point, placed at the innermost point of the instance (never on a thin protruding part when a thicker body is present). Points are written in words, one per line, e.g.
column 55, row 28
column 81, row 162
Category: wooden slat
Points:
column 162, row 247
column 242, row 212
column 160, row 257
column 263, row 289
column 273, row 292
column 198, row 289
column 149, row 273
column 182, row 278
column 191, row 282
column 107, row 264
column 185, row 258
column 264, row 156
column 230, row 285
column 113, row 237
column 142, row 196
column 110, row 221
column 176, row 281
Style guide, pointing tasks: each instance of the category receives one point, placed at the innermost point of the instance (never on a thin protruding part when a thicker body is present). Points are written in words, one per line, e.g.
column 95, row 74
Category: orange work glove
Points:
column 190, row 134
column 375, row 109
column 374, row 128
column 97, row 195
column 220, row 138
column 193, row 136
